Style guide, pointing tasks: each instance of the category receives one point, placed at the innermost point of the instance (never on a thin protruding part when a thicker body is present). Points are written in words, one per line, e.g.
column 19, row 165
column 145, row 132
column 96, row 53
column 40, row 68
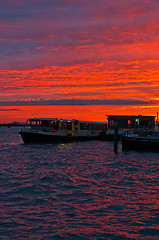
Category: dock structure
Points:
column 127, row 122
column 130, row 121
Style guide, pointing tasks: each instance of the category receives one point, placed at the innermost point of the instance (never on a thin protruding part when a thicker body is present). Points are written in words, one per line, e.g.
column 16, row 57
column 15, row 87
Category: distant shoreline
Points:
column 13, row 125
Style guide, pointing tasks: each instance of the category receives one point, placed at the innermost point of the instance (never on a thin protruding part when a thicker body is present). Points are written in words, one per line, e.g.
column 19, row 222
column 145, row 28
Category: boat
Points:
column 141, row 140
column 62, row 130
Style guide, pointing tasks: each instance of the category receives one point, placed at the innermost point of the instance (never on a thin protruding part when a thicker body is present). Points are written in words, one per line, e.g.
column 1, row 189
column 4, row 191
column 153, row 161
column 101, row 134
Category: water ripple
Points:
column 76, row 191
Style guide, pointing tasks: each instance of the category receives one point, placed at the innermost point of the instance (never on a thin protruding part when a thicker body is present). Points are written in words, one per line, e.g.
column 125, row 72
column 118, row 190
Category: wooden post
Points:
column 115, row 136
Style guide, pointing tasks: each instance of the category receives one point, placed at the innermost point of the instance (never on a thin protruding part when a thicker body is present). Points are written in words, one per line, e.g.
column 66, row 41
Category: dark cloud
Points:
column 8, row 110
column 75, row 102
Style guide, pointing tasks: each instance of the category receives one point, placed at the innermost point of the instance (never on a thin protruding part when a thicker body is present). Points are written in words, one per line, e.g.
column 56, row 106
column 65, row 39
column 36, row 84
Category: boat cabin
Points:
column 130, row 122
column 60, row 124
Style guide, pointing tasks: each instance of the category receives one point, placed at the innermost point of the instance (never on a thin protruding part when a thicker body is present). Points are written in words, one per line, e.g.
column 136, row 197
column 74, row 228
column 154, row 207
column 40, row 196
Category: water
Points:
column 81, row 190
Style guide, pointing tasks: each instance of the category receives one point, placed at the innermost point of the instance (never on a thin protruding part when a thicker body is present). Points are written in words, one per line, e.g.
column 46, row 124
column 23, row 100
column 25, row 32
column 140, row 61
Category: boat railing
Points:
column 142, row 132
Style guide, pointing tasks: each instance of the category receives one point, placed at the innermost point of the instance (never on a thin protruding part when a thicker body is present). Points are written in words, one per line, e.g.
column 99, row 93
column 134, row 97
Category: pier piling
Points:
column 115, row 136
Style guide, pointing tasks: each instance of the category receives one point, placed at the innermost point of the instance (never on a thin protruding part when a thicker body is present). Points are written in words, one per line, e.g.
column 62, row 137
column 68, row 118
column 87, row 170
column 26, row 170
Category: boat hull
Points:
column 140, row 143
column 29, row 137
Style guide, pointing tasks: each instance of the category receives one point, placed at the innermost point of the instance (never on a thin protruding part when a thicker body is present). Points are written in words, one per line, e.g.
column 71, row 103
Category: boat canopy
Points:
column 62, row 120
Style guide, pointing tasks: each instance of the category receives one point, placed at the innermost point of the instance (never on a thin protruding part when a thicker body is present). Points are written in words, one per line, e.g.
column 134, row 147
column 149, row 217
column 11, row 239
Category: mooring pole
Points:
column 115, row 136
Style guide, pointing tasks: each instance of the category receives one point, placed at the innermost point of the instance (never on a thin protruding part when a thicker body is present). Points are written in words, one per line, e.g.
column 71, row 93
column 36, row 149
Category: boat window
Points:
column 111, row 123
column 97, row 127
column 74, row 125
column 103, row 126
column 54, row 124
column 38, row 123
column 130, row 123
column 92, row 126
column 82, row 126
column 62, row 125
column 45, row 123
column 69, row 125
column 33, row 123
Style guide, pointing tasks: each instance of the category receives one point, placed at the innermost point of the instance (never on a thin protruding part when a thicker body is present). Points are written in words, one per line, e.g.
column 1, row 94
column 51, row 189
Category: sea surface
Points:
column 81, row 190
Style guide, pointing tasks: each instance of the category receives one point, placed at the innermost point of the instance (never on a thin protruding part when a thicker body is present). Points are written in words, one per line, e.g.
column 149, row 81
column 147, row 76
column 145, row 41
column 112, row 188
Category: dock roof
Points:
column 129, row 117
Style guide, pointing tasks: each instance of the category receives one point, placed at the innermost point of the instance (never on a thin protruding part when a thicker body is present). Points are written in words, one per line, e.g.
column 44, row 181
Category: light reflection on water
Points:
column 81, row 190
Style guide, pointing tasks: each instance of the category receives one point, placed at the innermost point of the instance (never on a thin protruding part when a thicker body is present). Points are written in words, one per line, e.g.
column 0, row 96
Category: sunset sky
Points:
column 79, row 49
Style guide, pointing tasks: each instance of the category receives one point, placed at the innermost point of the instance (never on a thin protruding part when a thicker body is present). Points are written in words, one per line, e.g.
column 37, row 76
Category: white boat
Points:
column 62, row 130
